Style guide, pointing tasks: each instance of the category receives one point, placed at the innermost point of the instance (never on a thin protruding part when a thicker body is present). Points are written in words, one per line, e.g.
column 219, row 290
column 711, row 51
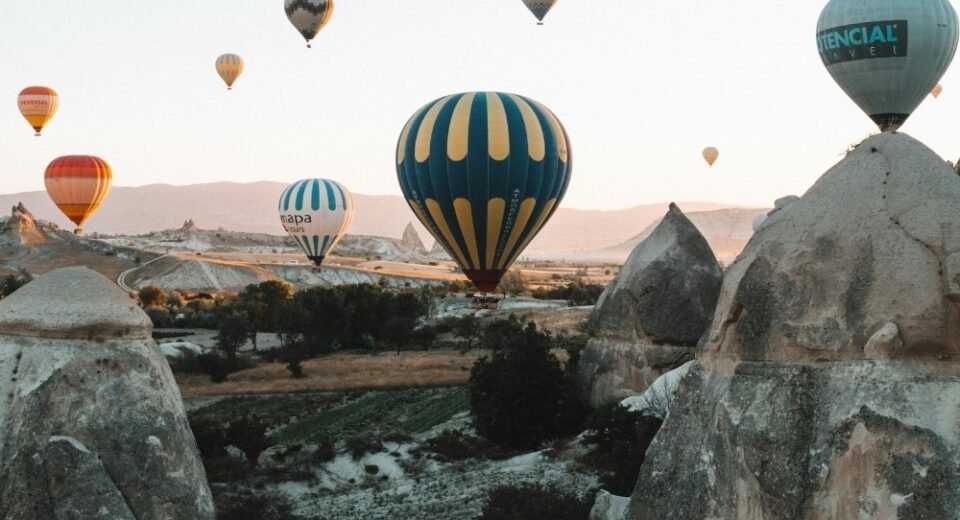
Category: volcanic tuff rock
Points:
column 91, row 421
column 411, row 240
column 649, row 319
column 829, row 383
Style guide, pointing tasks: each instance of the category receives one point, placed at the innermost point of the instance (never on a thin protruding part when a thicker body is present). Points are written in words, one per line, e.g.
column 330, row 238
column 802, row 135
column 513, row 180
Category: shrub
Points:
column 215, row 365
column 534, row 501
column 159, row 316
column 521, row 396
column 249, row 435
column 358, row 446
column 621, row 437
column 451, row 445
column 152, row 295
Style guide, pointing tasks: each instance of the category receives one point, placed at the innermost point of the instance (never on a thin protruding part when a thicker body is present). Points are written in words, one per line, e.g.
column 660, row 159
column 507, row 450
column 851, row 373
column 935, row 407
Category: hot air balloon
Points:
column 308, row 16
column 484, row 171
column 937, row 91
column 887, row 54
column 539, row 8
column 229, row 67
column 78, row 184
column 710, row 154
column 38, row 105
column 316, row 213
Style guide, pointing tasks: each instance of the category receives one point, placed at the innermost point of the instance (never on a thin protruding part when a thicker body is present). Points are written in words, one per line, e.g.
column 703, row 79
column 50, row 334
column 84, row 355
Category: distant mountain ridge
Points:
column 251, row 208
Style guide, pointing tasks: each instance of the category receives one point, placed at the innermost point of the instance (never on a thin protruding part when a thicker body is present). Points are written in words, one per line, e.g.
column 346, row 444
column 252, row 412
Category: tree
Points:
column 468, row 329
column 261, row 302
column 621, row 437
column 398, row 331
column 249, row 435
column 152, row 296
column 234, row 331
column 513, row 283
column 425, row 336
column 521, row 396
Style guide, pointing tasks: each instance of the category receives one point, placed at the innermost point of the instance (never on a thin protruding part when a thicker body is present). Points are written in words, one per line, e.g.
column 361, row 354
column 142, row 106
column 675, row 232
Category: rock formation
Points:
column 411, row 240
column 829, row 383
column 188, row 226
column 649, row 319
column 91, row 421
column 23, row 227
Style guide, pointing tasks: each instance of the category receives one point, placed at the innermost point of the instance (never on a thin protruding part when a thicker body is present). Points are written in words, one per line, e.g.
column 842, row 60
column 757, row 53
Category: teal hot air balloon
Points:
column 484, row 171
column 887, row 55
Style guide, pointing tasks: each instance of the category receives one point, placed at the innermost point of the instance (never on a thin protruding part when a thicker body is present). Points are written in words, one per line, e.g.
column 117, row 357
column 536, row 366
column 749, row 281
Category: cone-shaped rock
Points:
column 411, row 240
column 830, row 381
column 91, row 421
column 651, row 316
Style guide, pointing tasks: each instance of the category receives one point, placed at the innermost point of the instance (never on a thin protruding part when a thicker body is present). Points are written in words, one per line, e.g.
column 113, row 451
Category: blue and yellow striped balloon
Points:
column 316, row 213
column 484, row 171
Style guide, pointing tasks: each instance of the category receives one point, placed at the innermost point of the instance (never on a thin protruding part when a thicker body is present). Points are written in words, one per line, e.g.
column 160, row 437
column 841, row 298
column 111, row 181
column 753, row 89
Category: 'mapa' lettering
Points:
column 296, row 219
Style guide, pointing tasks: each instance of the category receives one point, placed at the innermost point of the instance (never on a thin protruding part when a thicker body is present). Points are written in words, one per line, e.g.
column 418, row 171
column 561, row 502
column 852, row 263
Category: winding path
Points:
column 122, row 279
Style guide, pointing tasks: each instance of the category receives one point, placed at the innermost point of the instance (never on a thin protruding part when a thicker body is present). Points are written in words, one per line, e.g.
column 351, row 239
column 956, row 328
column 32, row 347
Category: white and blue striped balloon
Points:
column 316, row 213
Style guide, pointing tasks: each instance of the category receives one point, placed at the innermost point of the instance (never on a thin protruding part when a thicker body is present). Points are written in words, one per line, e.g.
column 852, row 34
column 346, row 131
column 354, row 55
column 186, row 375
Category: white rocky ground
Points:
column 405, row 487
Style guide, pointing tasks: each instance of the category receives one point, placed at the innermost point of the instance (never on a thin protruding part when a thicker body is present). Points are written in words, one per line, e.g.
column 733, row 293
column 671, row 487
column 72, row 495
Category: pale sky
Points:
column 641, row 86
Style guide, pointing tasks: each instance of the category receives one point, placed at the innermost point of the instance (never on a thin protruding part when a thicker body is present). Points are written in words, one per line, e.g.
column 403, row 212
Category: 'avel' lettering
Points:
column 887, row 39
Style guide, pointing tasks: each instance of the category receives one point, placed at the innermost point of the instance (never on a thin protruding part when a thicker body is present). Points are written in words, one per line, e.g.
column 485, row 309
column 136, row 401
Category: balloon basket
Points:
column 485, row 301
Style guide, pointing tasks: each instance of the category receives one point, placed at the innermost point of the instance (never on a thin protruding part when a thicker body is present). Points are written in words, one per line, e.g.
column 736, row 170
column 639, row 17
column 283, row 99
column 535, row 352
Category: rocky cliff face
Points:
column 91, row 421
column 829, row 383
column 652, row 315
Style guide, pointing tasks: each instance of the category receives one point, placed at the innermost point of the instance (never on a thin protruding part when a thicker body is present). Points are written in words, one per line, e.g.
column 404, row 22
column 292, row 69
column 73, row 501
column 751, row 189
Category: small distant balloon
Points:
column 38, row 105
column 317, row 214
column 937, row 91
column 539, row 8
column 710, row 154
column 887, row 55
column 78, row 185
column 308, row 16
column 229, row 67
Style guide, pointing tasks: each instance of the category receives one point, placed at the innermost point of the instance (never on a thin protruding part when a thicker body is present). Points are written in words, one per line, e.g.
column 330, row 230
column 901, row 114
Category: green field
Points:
column 313, row 417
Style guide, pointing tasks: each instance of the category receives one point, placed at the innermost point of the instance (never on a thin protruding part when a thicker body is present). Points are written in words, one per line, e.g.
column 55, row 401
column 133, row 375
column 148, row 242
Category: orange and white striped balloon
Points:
column 38, row 105
column 229, row 67
column 78, row 184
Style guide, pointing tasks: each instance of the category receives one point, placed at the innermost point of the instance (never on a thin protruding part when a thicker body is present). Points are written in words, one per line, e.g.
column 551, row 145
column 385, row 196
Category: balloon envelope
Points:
column 484, row 171
column 308, row 16
column 78, row 184
column 229, row 67
column 316, row 213
column 539, row 8
column 710, row 154
column 887, row 54
column 38, row 105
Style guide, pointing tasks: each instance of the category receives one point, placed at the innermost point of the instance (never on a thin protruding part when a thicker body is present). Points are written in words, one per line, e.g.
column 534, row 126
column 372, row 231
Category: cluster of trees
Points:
column 576, row 293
